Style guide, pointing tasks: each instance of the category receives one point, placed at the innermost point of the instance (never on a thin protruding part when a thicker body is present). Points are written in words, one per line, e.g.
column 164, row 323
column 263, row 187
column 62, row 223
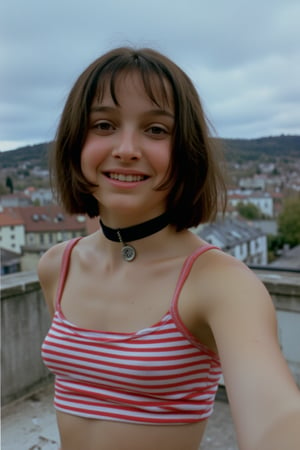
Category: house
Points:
column 15, row 200
column 238, row 238
column 258, row 182
column 48, row 225
column 30, row 230
column 10, row 262
column 41, row 196
column 262, row 200
column 12, row 230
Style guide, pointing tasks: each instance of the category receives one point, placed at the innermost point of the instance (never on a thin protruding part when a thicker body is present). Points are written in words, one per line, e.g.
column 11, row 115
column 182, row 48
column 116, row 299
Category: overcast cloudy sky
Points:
column 244, row 57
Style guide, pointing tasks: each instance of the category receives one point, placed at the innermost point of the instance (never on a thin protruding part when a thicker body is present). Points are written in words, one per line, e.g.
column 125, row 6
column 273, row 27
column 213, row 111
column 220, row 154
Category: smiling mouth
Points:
column 127, row 178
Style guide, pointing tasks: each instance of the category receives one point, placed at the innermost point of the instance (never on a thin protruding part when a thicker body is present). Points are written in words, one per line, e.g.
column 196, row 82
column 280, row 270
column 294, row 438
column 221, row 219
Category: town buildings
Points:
column 262, row 200
column 29, row 231
column 237, row 237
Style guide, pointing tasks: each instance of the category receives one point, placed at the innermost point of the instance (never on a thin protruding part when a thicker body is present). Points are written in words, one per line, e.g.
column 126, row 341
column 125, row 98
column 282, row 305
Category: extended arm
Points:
column 263, row 395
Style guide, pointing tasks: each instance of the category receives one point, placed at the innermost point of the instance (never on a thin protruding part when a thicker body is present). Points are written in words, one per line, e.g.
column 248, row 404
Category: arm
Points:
column 263, row 395
column 48, row 272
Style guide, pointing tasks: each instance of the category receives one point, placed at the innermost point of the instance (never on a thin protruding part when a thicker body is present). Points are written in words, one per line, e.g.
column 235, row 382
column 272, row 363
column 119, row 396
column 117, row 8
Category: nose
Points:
column 127, row 148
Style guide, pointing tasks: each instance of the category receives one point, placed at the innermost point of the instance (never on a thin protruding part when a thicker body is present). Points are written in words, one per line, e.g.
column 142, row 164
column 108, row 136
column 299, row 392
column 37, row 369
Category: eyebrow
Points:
column 156, row 112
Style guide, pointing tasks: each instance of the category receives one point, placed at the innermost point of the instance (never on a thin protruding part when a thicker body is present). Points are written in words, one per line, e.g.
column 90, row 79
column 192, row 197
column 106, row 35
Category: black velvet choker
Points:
column 133, row 233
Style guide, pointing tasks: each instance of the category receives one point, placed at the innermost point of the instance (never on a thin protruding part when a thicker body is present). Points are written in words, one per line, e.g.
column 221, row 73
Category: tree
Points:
column 249, row 211
column 9, row 184
column 289, row 221
column 275, row 245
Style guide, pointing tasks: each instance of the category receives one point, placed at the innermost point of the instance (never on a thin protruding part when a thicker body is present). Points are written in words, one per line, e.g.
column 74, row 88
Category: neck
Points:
column 134, row 233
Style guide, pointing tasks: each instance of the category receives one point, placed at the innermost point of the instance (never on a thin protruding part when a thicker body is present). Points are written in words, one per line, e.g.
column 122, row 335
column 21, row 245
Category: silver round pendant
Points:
column 128, row 253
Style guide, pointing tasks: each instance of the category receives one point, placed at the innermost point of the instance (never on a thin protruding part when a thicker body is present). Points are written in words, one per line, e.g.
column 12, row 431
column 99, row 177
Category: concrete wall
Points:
column 25, row 322
column 284, row 288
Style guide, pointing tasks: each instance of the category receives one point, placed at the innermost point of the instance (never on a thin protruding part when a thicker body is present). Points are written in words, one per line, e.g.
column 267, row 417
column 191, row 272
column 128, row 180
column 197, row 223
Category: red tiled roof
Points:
column 9, row 217
column 50, row 218
column 232, row 196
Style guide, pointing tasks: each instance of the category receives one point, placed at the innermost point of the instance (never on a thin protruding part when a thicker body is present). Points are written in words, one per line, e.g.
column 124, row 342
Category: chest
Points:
column 122, row 301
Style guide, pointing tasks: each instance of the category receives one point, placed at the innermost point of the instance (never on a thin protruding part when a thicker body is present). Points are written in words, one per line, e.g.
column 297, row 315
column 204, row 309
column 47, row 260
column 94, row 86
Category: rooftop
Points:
column 9, row 217
column 45, row 219
column 49, row 218
column 29, row 424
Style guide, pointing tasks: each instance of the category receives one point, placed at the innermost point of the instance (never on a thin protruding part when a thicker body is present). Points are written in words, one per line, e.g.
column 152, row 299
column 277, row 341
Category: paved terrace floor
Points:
column 29, row 424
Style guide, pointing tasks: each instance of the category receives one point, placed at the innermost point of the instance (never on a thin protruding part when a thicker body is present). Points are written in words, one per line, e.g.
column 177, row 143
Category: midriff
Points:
column 78, row 433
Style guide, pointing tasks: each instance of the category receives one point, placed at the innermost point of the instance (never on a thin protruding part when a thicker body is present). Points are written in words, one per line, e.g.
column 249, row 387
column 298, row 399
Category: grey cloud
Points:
column 243, row 56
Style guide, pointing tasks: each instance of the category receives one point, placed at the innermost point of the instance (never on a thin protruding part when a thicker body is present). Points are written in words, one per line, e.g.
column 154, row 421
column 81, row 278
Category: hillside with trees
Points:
column 265, row 149
column 31, row 155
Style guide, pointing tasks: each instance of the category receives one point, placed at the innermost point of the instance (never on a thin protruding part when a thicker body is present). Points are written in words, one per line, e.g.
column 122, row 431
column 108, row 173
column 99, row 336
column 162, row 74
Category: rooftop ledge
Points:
column 283, row 283
column 283, row 286
column 17, row 283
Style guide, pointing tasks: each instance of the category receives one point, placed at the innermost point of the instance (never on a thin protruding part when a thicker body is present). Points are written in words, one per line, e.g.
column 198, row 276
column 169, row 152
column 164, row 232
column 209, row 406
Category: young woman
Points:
column 146, row 314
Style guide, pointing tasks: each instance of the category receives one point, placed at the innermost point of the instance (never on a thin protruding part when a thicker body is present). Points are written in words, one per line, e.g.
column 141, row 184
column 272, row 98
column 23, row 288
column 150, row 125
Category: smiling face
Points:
column 127, row 150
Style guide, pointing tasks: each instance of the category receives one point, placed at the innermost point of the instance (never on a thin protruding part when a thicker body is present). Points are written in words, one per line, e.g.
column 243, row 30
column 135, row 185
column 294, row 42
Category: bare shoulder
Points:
column 229, row 283
column 49, row 262
column 48, row 272
column 236, row 300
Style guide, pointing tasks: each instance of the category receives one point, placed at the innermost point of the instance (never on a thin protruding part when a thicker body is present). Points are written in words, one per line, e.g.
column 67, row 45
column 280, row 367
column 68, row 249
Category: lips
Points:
column 129, row 178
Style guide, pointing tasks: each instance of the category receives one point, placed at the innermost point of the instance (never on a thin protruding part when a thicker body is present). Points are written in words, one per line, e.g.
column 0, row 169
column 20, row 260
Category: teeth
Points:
column 123, row 177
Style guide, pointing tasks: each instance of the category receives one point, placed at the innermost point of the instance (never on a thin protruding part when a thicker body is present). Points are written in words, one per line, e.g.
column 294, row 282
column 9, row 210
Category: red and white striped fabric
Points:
column 158, row 375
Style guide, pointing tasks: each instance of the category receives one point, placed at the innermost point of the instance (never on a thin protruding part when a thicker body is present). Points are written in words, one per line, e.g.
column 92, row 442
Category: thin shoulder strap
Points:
column 65, row 268
column 187, row 266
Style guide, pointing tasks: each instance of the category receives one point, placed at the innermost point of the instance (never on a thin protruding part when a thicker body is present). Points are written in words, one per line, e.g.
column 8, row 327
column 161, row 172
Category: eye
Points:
column 103, row 126
column 157, row 130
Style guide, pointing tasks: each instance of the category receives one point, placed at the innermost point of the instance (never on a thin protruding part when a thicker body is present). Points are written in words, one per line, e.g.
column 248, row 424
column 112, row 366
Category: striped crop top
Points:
column 158, row 375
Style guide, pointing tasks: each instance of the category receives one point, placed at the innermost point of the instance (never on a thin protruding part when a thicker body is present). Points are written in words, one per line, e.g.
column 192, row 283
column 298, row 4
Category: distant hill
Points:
column 238, row 150
column 36, row 155
column 266, row 148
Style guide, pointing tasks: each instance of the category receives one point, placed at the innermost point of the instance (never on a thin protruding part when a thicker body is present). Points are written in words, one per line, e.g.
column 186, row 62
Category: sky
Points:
column 243, row 57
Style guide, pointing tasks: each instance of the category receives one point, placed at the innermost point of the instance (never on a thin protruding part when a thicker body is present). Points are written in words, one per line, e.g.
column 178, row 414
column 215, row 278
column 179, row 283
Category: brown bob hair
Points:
column 194, row 179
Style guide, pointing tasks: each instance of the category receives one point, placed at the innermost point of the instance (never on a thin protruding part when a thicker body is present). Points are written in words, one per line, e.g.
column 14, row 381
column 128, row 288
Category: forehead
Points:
column 156, row 87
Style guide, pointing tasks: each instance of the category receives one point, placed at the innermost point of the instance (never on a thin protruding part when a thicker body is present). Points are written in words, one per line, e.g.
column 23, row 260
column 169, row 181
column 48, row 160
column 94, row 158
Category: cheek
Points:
column 162, row 159
column 91, row 157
